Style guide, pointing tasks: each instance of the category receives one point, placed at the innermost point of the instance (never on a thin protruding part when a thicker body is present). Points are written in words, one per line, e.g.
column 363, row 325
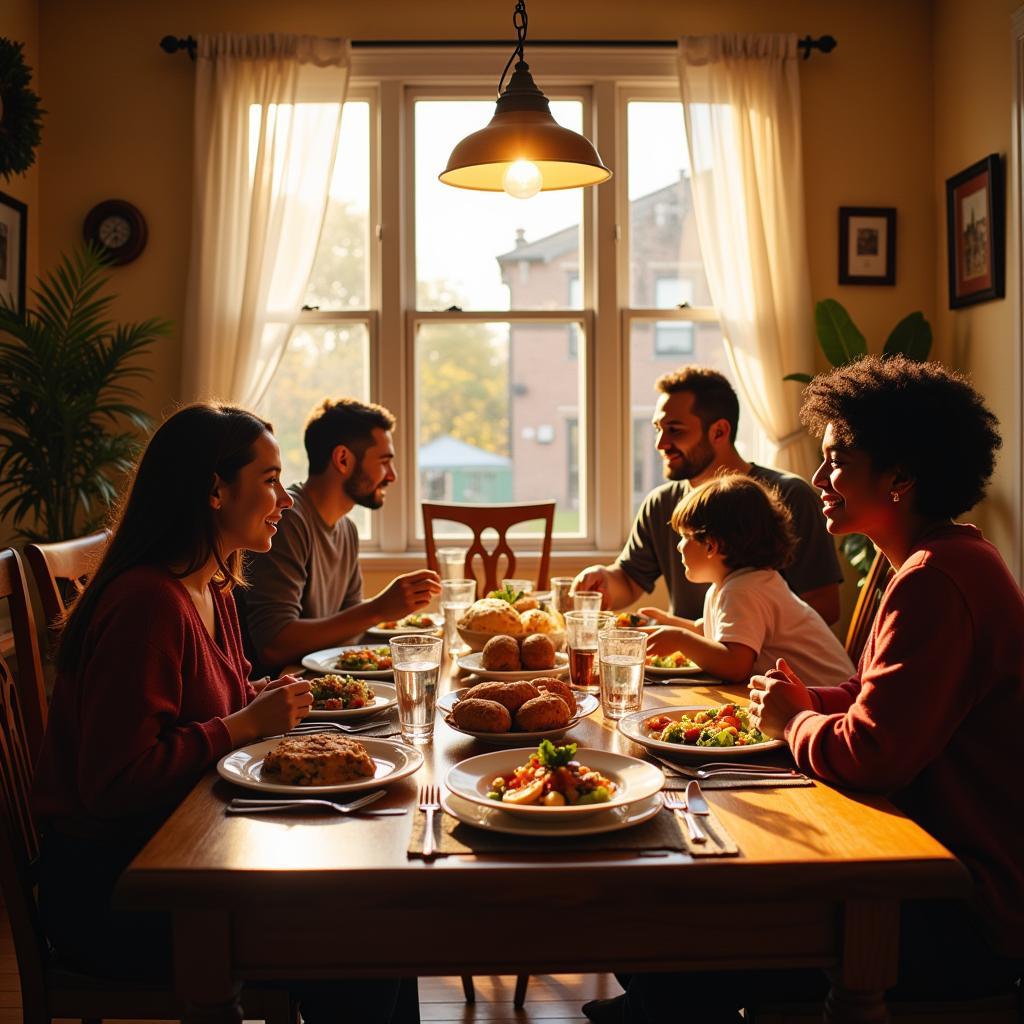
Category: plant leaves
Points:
column 911, row 337
column 803, row 378
column 840, row 340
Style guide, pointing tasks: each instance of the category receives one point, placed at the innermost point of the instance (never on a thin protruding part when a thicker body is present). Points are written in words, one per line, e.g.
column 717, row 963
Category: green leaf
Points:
column 802, row 378
column 911, row 337
column 838, row 336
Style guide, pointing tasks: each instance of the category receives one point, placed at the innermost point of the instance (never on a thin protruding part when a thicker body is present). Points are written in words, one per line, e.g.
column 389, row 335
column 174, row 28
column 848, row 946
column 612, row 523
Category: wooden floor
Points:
column 554, row 999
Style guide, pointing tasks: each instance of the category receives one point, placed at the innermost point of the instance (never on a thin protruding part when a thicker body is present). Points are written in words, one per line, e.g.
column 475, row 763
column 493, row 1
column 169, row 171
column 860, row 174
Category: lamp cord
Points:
column 519, row 20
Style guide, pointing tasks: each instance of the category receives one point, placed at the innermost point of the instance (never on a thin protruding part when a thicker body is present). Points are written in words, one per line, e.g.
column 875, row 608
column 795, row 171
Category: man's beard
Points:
column 359, row 490
column 693, row 462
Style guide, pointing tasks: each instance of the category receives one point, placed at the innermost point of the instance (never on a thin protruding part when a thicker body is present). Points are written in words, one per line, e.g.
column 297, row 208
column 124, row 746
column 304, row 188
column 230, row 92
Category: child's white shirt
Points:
column 756, row 608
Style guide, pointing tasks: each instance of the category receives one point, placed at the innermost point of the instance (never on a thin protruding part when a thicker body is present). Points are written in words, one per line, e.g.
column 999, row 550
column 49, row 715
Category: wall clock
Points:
column 118, row 228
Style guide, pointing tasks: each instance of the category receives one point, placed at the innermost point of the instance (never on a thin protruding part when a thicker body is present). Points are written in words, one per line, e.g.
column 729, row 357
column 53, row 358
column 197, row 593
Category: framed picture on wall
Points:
column 867, row 245
column 976, row 233
column 13, row 236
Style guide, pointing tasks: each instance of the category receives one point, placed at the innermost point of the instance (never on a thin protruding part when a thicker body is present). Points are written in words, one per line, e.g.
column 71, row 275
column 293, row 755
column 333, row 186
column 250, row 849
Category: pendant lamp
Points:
column 523, row 150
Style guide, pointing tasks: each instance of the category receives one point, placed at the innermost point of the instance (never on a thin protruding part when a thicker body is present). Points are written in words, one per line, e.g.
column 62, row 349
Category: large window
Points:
column 518, row 342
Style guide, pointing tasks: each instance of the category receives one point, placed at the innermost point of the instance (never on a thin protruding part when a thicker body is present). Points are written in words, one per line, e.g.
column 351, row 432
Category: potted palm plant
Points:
column 66, row 398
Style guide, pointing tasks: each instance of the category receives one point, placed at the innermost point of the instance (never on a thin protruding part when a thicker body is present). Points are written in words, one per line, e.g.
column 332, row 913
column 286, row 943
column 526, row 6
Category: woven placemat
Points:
column 673, row 783
column 720, row 843
column 389, row 726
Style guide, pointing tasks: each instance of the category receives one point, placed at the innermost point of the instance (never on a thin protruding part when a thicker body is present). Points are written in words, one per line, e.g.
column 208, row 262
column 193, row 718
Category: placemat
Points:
column 720, row 843
column 662, row 832
column 389, row 726
column 674, row 783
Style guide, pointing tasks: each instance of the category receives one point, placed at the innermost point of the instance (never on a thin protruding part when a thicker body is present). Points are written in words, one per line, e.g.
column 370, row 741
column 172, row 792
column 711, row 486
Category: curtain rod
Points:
column 824, row 44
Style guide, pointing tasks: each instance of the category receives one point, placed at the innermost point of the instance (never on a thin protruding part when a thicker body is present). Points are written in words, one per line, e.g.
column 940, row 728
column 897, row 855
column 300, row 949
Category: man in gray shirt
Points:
column 307, row 591
column 695, row 424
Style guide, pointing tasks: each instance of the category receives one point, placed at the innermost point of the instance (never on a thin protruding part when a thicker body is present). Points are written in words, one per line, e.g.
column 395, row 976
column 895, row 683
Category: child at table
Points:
column 736, row 535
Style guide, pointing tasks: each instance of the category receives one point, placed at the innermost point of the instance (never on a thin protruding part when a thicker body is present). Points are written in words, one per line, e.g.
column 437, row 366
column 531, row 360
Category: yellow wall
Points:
column 973, row 88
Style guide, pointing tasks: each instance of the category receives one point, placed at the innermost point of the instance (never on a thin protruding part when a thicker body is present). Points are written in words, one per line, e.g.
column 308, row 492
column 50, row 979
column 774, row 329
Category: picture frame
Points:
column 13, row 244
column 867, row 245
column 976, row 233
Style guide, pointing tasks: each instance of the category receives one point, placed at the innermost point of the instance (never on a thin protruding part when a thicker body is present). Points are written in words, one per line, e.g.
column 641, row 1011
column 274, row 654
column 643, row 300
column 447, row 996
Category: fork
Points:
column 315, row 726
column 716, row 768
column 242, row 806
column 676, row 803
column 430, row 801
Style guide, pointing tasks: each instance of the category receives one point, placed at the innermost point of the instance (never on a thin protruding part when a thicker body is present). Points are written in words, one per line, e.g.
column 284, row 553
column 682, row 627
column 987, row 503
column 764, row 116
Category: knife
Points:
column 695, row 802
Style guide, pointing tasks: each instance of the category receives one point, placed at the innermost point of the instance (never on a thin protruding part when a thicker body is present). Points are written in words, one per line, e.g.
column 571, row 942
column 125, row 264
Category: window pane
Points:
column 341, row 269
column 487, row 250
column 646, row 365
column 663, row 242
column 498, row 412
column 321, row 361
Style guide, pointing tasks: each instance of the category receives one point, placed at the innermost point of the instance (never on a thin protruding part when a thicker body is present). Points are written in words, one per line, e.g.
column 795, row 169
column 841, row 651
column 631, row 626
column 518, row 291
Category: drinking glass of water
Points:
column 456, row 597
column 581, row 629
column 561, row 593
column 417, row 664
column 587, row 600
column 621, row 654
column 451, row 563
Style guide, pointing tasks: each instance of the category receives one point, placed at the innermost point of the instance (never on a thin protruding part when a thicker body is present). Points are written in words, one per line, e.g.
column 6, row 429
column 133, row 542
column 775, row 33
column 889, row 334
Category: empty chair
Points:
column 61, row 570
column 499, row 561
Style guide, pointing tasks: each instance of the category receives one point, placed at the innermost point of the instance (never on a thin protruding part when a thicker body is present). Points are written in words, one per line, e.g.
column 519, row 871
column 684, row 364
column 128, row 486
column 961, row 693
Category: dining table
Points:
column 818, row 883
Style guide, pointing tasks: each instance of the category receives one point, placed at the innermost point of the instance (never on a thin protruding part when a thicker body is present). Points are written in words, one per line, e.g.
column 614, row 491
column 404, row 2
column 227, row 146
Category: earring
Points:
column 895, row 495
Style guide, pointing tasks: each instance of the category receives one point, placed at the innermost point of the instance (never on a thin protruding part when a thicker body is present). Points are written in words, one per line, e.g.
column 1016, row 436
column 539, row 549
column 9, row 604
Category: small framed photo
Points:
column 13, row 237
column 976, row 233
column 867, row 245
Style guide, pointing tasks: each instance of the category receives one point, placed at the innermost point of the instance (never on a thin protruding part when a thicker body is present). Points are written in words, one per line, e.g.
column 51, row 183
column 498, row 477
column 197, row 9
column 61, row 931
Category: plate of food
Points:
column 494, row 819
column 316, row 763
column 418, row 622
column 477, row 663
column 339, row 697
column 675, row 664
column 492, row 616
column 361, row 662
column 550, row 781
column 698, row 731
column 511, row 714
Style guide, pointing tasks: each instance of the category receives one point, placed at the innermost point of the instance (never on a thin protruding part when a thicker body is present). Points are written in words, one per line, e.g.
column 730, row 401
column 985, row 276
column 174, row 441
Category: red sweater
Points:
column 932, row 717
column 135, row 727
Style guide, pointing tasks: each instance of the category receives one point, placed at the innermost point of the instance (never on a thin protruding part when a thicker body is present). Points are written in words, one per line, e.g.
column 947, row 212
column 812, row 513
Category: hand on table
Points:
column 279, row 706
column 662, row 640
column 776, row 698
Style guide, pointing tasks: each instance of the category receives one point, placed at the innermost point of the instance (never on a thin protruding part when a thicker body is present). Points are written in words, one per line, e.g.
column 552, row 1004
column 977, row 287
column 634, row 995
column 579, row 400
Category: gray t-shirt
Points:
column 310, row 572
column 651, row 551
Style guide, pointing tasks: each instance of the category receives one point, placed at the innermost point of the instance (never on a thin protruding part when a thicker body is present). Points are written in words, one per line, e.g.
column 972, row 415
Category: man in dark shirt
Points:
column 695, row 425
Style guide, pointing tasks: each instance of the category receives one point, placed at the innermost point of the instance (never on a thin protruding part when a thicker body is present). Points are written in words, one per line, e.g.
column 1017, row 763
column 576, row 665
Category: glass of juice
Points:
column 581, row 629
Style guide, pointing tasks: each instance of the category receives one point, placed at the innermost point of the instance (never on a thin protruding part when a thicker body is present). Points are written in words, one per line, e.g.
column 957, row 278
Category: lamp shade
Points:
column 523, row 129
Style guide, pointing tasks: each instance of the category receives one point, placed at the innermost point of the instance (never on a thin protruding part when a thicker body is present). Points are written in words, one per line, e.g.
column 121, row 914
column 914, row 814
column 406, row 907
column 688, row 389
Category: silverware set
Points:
column 270, row 805
column 309, row 728
column 689, row 808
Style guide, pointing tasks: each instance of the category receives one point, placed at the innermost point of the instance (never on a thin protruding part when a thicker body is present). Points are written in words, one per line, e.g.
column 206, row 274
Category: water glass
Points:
column 587, row 600
column 456, row 597
column 451, row 563
column 561, row 593
column 581, row 630
column 417, row 664
column 621, row 654
column 518, row 586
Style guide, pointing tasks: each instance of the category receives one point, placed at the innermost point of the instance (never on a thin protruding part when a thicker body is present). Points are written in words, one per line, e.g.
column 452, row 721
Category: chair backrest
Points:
column 500, row 518
column 22, row 716
column 868, row 600
column 61, row 570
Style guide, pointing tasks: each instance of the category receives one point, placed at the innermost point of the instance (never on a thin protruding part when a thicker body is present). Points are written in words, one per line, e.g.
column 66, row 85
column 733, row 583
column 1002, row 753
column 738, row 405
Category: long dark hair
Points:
column 165, row 516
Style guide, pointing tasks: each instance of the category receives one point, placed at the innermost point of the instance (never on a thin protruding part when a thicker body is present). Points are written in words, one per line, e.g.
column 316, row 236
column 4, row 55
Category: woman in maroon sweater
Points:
column 932, row 714
column 152, row 688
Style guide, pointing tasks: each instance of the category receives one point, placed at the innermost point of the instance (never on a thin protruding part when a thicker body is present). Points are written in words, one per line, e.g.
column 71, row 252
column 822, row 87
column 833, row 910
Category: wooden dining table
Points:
column 818, row 884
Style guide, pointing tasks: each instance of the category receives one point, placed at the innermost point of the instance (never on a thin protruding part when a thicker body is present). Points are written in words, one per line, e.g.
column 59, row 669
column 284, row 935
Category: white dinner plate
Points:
column 324, row 663
column 393, row 761
column 662, row 673
column 634, row 780
column 383, row 633
column 385, row 696
column 472, row 662
column 632, row 725
column 494, row 819
column 586, row 704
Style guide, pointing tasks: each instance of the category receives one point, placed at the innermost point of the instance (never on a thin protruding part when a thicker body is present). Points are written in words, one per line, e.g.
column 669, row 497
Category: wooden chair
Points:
column 501, row 518
column 61, row 570
column 868, row 600
column 47, row 990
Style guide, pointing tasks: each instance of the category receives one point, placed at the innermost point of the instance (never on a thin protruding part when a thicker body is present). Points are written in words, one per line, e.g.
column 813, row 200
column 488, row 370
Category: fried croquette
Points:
column 526, row 603
column 544, row 712
column 501, row 654
column 481, row 716
column 559, row 689
column 537, row 652
column 510, row 695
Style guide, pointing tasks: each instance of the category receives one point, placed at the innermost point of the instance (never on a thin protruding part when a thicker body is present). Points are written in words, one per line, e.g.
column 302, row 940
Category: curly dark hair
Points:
column 745, row 518
column 921, row 418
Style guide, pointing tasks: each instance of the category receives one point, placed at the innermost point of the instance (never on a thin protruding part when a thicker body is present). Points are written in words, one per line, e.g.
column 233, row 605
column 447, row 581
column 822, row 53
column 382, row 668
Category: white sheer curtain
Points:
column 741, row 101
column 262, row 171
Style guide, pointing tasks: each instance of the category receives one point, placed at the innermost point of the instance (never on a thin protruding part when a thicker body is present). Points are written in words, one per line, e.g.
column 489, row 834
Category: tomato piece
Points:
column 729, row 709
column 729, row 720
column 690, row 735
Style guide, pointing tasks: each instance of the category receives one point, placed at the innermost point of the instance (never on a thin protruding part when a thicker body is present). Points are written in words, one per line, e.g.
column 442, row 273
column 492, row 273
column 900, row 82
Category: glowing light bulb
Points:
column 522, row 179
